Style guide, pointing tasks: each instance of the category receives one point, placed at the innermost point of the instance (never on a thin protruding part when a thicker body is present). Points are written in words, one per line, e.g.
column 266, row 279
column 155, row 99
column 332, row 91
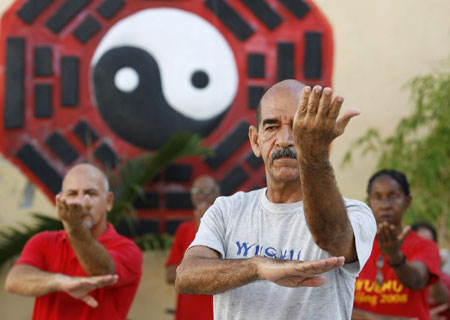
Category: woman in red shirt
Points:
column 393, row 283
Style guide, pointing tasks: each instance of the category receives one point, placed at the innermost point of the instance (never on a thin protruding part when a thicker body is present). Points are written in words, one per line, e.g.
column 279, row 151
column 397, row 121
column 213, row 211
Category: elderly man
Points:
column 192, row 307
column 253, row 250
column 87, row 270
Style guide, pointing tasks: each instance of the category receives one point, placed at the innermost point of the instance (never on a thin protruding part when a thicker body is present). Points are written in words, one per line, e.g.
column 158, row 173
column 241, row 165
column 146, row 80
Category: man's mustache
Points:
column 283, row 153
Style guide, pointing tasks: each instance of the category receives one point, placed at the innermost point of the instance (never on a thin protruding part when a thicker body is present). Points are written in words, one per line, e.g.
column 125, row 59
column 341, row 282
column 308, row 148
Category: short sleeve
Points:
column 128, row 262
column 33, row 252
column 427, row 252
column 211, row 232
column 364, row 230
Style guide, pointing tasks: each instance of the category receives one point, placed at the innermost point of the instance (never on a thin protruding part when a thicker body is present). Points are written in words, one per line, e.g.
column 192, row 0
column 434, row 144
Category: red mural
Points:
column 107, row 80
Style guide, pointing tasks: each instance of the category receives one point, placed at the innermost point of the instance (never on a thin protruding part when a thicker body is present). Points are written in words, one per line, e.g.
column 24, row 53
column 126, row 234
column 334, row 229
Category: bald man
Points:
column 291, row 250
column 87, row 270
column 204, row 192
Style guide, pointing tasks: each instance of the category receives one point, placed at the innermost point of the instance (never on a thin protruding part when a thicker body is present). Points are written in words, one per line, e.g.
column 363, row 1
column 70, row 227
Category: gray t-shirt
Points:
column 248, row 224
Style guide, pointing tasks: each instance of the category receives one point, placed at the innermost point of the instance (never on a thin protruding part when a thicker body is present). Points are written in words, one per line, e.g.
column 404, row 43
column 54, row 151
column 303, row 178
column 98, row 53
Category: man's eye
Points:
column 270, row 128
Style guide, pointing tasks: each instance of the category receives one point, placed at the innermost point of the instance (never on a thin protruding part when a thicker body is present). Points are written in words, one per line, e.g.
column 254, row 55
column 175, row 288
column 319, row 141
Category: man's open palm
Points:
column 297, row 273
column 79, row 287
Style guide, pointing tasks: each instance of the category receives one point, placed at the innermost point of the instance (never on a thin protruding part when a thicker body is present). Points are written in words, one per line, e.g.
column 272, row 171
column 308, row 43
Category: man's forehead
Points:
column 281, row 100
column 75, row 183
column 83, row 177
column 278, row 110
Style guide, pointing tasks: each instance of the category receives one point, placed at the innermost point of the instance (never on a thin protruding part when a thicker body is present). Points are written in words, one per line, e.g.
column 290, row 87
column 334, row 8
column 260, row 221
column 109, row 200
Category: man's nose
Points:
column 285, row 137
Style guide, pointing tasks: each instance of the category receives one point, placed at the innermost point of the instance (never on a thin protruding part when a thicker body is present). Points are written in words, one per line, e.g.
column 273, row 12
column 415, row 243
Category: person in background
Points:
column 204, row 192
column 291, row 250
column 393, row 283
column 439, row 292
column 87, row 270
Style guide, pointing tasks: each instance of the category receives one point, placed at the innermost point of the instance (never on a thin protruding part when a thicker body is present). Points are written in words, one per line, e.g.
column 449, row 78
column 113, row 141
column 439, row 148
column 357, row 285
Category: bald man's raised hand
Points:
column 296, row 273
column 316, row 123
column 74, row 213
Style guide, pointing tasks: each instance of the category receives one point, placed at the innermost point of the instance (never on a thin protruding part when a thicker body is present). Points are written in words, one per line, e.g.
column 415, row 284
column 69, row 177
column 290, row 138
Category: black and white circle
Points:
column 162, row 71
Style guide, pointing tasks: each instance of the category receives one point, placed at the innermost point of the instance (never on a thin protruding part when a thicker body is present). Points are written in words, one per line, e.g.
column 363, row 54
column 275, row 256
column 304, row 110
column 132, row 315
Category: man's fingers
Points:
column 298, row 281
column 343, row 120
column 325, row 101
column 335, row 107
column 313, row 101
column 90, row 301
column 107, row 280
column 311, row 268
column 303, row 103
column 62, row 207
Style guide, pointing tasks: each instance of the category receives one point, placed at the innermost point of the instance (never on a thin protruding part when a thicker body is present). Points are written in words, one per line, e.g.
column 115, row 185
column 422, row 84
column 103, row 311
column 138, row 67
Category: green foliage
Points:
column 12, row 240
column 420, row 147
column 128, row 183
column 136, row 173
column 153, row 241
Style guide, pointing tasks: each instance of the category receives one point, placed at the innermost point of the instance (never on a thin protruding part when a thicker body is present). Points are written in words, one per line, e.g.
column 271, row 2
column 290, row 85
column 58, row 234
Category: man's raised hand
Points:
column 316, row 123
column 296, row 273
column 73, row 213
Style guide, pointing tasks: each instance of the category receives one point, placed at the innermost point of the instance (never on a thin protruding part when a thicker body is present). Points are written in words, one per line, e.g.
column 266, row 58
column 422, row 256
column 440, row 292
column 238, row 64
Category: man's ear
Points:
column 109, row 201
column 253, row 135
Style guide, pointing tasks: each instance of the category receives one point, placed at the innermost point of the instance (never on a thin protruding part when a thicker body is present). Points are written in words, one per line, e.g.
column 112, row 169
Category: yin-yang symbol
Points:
column 162, row 71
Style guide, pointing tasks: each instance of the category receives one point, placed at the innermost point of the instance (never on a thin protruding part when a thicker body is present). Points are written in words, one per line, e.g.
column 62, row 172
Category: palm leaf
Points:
column 12, row 240
column 135, row 174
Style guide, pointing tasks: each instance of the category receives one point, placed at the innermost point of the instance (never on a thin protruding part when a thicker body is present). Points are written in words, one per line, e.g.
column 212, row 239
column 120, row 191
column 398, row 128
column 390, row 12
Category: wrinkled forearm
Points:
column 199, row 275
column 324, row 207
column 30, row 281
column 91, row 254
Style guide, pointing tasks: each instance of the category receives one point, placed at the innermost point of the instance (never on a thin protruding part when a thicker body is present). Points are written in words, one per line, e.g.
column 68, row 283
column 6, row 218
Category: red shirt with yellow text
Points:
column 393, row 298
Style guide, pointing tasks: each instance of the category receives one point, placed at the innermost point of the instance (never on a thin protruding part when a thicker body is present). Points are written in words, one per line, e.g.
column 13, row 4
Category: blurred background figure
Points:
column 394, row 282
column 439, row 292
column 192, row 307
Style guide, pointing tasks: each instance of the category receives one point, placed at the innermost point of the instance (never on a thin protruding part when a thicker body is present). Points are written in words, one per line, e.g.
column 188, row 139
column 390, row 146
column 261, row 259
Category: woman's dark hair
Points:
column 394, row 174
column 425, row 225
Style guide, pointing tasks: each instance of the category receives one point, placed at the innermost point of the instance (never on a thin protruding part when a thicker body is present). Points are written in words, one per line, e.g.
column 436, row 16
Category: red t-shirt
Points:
column 189, row 307
column 51, row 251
column 392, row 298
